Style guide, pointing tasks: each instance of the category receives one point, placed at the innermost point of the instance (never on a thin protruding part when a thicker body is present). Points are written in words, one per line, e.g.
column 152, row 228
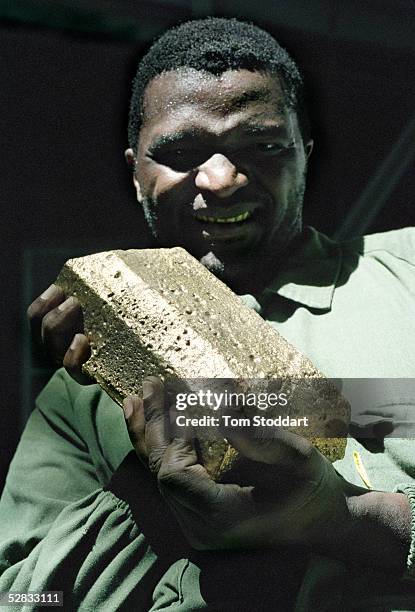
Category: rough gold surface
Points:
column 160, row 312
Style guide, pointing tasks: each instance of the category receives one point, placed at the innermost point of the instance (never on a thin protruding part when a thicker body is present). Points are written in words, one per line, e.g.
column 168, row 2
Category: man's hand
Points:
column 296, row 496
column 56, row 322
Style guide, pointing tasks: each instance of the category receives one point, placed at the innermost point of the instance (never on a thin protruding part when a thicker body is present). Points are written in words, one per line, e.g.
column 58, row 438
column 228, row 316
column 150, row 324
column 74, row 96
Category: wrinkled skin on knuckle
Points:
column 158, row 419
column 181, row 458
column 155, row 459
column 154, row 411
column 185, row 456
column 170, row 476
column 155, row 441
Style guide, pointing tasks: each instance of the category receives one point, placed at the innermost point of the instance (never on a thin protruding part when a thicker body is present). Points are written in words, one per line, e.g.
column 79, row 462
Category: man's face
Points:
column 220, row 167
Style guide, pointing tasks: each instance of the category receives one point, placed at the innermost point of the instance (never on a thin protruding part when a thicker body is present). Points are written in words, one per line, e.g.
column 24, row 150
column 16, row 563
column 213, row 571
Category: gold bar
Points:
column 160, row 312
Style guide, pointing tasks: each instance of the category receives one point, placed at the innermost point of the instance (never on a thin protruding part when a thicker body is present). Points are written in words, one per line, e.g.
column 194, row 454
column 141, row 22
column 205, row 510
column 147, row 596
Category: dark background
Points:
column 66, row 69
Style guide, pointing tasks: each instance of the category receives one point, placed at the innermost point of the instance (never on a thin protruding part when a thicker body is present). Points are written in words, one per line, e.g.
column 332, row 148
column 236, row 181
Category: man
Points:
column 219, row 146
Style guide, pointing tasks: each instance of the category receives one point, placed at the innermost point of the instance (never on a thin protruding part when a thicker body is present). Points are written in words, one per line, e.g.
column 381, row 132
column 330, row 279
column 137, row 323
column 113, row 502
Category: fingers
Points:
column 288, row 450
column 60, row 325
column 157, row 437
column 206, row 511
column 47, row 301
column 134, row 417
column 174, row 461
column 77, row 354
column 57, row 323
column 147, row 423
column 181, row 476
column 54, row 320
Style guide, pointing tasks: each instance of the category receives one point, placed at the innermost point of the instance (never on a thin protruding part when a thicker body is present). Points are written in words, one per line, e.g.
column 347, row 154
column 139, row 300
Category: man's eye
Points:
column 178, row 159
column 269, row 148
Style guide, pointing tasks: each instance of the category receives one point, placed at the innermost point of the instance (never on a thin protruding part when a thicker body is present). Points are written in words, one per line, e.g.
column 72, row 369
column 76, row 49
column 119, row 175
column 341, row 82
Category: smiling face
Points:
column 220, row 170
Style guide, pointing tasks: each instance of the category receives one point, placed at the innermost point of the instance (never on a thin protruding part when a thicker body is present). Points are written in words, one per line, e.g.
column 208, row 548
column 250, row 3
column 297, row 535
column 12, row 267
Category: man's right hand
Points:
column 56, row 322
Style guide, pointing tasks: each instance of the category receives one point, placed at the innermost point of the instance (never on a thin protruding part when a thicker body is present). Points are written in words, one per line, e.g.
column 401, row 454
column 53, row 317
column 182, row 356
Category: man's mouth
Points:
column 235, row 219
column 232, row 226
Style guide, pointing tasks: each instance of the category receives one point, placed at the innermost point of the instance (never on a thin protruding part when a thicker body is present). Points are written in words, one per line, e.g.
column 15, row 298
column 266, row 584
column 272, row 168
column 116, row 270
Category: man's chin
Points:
column 241, row 273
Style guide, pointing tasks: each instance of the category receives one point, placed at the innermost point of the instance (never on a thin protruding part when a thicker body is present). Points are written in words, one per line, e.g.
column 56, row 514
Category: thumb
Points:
column 271, row 446
column 157, row 426
column 135, row 420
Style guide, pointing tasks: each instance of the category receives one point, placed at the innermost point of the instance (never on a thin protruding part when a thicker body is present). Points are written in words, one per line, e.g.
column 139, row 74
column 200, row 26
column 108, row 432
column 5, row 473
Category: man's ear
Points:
column 309, row 148
column 131, row 163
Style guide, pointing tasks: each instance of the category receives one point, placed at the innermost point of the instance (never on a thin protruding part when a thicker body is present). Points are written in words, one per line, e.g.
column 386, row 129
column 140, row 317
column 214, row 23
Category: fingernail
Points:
column 74, row 343
column 66, row 304
column 127, row 407
column 148, row 389
column 48, row 293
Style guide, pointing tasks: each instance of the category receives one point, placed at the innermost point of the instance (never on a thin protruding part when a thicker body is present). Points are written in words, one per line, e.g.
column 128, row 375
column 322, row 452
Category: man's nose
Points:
column 220, row 176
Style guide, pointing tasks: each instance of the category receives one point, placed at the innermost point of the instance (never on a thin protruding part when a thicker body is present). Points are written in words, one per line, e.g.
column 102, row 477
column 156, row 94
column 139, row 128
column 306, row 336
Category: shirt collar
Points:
column 310, row 275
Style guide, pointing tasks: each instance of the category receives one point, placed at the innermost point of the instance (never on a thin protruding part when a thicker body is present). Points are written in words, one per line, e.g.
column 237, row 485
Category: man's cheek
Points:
column 165, row 181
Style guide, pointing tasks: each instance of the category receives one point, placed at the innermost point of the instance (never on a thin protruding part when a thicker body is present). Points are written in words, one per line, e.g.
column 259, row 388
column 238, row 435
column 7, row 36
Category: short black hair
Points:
column 216, row 45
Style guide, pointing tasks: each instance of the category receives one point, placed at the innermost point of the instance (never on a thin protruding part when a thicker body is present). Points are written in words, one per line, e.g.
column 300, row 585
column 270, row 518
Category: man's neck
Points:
column 249, row 274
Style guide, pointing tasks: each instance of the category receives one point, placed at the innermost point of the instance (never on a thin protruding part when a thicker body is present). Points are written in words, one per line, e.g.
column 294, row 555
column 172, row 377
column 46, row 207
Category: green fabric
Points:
column 349, row 307
column 409, row 490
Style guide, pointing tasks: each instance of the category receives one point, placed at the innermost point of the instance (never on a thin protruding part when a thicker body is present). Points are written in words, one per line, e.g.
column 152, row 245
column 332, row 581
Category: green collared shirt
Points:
column 350, row 307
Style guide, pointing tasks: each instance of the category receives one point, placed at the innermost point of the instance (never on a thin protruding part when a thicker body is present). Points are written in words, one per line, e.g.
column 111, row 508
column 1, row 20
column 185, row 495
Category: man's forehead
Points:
column 230, row 91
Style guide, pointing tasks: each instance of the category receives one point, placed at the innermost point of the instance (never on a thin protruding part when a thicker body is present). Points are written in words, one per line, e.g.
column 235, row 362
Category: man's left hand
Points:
column 296, row 497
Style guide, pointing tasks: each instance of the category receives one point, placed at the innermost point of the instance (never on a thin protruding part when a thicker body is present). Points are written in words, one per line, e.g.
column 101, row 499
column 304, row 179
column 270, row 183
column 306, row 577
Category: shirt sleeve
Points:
column 409, row 491
column 61, row 528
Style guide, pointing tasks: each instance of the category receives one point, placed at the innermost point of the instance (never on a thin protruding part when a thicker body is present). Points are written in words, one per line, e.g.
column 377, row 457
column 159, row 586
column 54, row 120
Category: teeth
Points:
column 241, row 217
